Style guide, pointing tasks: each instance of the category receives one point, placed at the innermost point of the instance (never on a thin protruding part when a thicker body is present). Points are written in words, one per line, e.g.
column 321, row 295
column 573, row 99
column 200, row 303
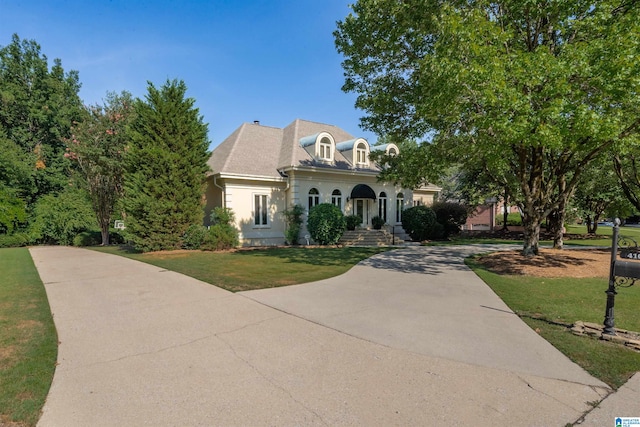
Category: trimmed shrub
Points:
column 222, row 234
column 352, row 221
column 293, row 218
column 194, row 237
column 419, row 222
column 220, row 237
column 88, row 238
column 451, row 216
column 377, row 222
column 326, row 224
column 14, row 240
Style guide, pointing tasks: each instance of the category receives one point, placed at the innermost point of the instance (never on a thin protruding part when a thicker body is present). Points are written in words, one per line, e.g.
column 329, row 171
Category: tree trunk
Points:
column 589, row 222
column 531, row 235
column 594, row 229
column 558, row 230
column 104, row 231
column 505, row 214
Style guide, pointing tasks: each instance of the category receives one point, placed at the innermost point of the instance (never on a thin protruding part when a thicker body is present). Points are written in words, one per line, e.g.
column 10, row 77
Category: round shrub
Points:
column 222, row 234
column 419, row 222
column 194, row 236
column 451, row 215
column 220, row 237
column 326, row 224
column 377, row 222
column 352, row 221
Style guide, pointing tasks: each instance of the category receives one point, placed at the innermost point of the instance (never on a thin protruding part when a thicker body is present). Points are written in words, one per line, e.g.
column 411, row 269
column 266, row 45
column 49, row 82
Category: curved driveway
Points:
column 408, row 337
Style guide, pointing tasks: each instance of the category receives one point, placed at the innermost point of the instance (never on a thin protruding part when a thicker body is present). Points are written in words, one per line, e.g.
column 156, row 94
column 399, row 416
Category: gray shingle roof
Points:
column 254, row 149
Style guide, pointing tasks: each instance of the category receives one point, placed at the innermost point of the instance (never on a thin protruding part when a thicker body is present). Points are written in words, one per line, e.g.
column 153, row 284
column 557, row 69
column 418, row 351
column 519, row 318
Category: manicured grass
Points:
column 603, row 238
column 255, row 269
column 544, row 303
column 28, row 340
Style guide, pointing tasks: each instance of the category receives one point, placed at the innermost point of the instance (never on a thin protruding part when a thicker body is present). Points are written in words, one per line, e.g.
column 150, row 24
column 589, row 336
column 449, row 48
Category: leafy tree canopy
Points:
column 531, row 92
column 97, row 145
column 37, row 107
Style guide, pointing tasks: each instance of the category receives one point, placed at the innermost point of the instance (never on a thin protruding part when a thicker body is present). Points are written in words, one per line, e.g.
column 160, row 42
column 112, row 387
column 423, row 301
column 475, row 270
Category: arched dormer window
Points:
column 356, row 151
column 362, row 154
column 388, row 149
column 320, row 146
column 325, row 149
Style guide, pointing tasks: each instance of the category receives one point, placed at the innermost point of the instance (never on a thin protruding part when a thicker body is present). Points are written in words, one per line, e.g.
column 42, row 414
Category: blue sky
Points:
column 272, row 61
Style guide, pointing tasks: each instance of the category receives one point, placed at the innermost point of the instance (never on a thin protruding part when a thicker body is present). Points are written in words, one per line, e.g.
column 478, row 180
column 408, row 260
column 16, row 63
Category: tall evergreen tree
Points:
column 166, row 168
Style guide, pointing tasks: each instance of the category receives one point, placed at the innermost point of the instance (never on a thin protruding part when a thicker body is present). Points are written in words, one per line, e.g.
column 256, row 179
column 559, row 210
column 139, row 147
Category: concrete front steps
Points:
column 366, row 237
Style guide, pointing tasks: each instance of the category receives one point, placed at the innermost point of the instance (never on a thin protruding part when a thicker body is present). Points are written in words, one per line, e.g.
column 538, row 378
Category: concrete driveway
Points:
column 408, row 337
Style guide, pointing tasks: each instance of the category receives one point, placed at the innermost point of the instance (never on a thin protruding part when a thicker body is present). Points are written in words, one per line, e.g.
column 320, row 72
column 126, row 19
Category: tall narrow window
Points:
column 260, row 213
column 361, row 154
column 382, row 206
column 399, row 204
column 336, row 198
column 314, row 197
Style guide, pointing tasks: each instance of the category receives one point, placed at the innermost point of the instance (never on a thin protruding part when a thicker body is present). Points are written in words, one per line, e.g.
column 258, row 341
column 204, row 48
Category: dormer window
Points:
column 320, row 146
column 356, row 151
column 392, row 151
column 325, row 149
column 361, row 154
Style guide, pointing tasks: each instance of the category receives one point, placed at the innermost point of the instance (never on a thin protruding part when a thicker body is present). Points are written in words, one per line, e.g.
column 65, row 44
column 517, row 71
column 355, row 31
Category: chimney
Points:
column 256, row 122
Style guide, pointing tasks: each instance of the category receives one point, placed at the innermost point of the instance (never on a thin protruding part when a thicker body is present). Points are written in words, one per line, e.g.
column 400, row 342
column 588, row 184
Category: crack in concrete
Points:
column 271, row 380
column 592, row 387
column 172, row 347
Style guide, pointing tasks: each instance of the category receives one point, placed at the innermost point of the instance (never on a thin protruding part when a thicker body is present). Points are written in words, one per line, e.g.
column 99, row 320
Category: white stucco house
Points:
column 260, row 171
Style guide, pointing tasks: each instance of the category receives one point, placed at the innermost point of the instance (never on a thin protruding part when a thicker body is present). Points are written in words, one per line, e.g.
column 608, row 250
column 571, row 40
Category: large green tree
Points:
column 531, row 91
column 166, row 168
column 38, row 104
column 98, row 144
column 599, row 194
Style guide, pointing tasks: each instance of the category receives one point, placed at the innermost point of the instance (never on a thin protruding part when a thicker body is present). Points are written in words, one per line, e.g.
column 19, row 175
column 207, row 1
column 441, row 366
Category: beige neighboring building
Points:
column 260, row 171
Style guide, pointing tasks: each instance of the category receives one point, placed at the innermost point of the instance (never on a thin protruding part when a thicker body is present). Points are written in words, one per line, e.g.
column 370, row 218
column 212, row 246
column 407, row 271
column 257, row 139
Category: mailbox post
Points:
column 623, row 273
column 609, row 320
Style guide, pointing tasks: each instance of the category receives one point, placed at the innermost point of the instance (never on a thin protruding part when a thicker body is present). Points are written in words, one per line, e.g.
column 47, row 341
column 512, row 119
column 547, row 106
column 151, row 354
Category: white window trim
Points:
column 365, row 153
column 337, row 197
column 253, row 210
column 328, row 146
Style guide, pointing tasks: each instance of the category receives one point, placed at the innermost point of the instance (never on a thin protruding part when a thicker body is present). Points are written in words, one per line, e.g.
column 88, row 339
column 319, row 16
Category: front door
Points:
column 362, row 210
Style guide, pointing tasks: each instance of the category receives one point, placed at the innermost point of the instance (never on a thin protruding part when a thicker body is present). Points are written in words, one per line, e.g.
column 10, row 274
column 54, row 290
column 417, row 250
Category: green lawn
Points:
column 255, row 269
column 28, row 340
column 603, row 238
column 544, row 303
